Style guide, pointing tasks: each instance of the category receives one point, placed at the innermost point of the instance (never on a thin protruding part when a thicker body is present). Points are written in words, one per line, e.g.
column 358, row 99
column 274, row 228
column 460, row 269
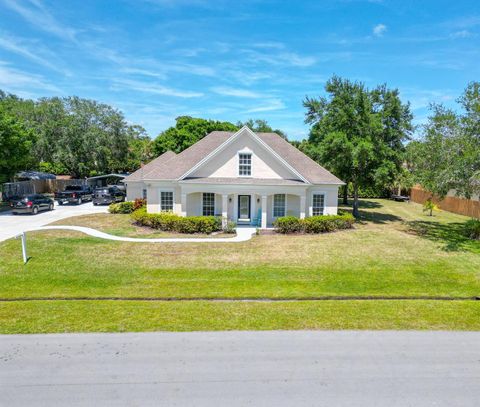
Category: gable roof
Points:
column 189, row 157
column 309, row 168
column 157, row 162
column 178, row 166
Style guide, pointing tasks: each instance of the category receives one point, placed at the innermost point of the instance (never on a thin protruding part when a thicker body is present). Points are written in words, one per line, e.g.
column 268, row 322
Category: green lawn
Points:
column 395, row 250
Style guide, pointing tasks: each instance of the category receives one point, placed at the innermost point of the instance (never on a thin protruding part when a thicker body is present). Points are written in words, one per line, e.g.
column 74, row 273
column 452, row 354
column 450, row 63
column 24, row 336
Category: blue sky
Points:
column 233, row 60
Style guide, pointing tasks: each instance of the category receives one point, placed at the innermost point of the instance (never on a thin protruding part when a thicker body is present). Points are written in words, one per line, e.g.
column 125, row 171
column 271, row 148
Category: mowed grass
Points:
column 137, row 316
column 395, row 250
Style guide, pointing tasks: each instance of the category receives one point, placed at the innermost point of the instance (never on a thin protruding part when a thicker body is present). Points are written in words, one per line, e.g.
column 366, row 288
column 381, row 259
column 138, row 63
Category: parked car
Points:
column 74, row 194
column 33, row 204
column 108, row 195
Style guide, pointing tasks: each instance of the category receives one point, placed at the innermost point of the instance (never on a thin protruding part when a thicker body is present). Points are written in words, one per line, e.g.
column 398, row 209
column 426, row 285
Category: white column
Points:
column 184, row 205
column 224, row 209
column 264, row 211
column 303, row 200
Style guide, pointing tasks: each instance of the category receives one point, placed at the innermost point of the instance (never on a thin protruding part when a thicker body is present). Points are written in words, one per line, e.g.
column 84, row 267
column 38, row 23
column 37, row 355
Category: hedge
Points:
column 170, row 222
column 314, row 224
column 127, row 206
column 122, row 207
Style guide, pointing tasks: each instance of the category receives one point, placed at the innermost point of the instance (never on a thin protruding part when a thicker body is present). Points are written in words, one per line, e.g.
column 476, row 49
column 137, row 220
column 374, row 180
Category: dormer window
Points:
column 244, row 164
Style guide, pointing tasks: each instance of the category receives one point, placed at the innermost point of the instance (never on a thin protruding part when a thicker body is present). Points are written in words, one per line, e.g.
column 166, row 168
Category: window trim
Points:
column 245, row 152
column 324, row 201
column 160, row 199
column 273, row 206
column 214, row 203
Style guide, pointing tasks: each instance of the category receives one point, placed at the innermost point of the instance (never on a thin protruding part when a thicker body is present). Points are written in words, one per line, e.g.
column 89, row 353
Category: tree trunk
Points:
column 345, row 194
column 355, row 200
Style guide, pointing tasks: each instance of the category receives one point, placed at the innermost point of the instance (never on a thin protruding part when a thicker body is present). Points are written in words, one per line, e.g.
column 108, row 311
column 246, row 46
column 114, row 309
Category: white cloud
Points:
column 269, row 44
column 273, row 104
column 282, row 58
column 40, row 17
column 461, row 34
column 379, row 30
column 422, row 98
column 20, row 48
column 15, row 80
column 149, row 87
column 144, row 72
column 242, row 93
column 248, row 78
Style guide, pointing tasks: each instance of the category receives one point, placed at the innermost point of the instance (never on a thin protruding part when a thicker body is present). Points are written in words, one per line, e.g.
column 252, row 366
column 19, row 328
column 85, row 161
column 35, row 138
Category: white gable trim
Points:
column 234, row 137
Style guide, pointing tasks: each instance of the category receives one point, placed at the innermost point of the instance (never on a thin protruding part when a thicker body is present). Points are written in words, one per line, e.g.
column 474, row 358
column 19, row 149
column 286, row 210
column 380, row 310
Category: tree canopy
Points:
column 261, row 126
column 188, row 130
column 15, row 144
column 79, row 137
column 447, row 157
column 358, row 133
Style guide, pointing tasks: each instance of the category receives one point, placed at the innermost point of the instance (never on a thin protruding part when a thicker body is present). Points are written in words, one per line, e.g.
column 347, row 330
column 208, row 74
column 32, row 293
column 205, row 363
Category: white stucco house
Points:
column 250, row 178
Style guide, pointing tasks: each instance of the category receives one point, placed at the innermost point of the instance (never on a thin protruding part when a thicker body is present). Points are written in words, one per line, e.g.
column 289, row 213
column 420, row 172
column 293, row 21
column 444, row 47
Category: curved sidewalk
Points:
column 243, row 234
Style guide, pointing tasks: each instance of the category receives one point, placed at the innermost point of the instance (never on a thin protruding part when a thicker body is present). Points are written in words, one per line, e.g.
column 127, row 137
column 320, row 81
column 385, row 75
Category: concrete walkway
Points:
column 275, row 368
column 243, row 234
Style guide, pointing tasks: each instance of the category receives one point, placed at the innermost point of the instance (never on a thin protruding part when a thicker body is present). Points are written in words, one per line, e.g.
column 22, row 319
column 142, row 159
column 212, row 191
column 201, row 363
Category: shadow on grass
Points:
column 371, row 216
column 363, row 204
column 450, row 235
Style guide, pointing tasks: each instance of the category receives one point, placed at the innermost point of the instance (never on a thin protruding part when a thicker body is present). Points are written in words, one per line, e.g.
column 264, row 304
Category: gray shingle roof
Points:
column 304, row 165
column 177, row 165
column 139, row 174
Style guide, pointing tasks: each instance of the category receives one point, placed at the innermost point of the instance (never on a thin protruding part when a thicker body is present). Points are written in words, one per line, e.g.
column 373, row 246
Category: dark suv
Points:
column 108, row 195
column 31, row 204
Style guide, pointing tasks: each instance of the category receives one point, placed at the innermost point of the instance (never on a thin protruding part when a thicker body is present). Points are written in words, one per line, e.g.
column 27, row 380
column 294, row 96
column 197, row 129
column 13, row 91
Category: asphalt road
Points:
column 11, row 225
column 301, row 368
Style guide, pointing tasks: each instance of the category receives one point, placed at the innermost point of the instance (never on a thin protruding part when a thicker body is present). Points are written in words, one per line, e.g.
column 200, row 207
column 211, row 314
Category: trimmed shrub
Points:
column 314, row 224
column 114, row 208
column 319, row 224
column 328, row 223
column 230, row 227
column 288, row 224
column 170, row 222
column 139, row 203
column 472, row 229
column 122, row 207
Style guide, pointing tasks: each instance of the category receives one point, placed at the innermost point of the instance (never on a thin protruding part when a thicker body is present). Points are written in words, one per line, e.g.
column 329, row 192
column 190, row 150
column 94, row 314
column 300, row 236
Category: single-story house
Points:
column 246, row 177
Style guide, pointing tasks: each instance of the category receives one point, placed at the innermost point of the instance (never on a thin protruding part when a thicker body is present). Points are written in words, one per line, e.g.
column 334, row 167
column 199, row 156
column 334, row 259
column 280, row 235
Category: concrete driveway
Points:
column 276, row 368
column 11, row 225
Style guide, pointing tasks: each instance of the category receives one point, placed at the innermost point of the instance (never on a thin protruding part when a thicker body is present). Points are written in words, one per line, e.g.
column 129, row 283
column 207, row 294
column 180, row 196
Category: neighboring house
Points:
column 247, row 177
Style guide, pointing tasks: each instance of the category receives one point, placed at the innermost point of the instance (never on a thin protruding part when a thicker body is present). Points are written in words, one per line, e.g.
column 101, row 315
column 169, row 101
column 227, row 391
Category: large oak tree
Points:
column 358, row 133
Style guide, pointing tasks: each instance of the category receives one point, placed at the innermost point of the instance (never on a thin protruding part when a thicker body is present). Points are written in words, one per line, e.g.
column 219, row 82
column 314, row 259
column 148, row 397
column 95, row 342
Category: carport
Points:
column 106, row 179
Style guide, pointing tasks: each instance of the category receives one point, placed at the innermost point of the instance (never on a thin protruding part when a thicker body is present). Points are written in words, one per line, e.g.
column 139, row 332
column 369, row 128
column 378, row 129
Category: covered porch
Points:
column 245, row 205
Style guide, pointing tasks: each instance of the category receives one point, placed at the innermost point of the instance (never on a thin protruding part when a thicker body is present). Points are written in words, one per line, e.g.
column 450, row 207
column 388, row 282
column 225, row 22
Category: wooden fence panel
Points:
column 467, row 207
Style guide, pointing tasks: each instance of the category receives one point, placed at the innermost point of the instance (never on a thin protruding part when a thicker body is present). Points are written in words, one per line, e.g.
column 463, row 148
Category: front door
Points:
column 243, row 207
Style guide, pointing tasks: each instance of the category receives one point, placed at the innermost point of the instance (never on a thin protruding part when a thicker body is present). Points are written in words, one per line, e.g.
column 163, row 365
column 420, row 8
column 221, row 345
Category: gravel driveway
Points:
column 11, row 225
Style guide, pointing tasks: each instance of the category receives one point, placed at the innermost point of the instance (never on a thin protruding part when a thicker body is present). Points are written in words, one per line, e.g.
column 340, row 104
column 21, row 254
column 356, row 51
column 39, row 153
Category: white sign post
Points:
column 23, row 236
